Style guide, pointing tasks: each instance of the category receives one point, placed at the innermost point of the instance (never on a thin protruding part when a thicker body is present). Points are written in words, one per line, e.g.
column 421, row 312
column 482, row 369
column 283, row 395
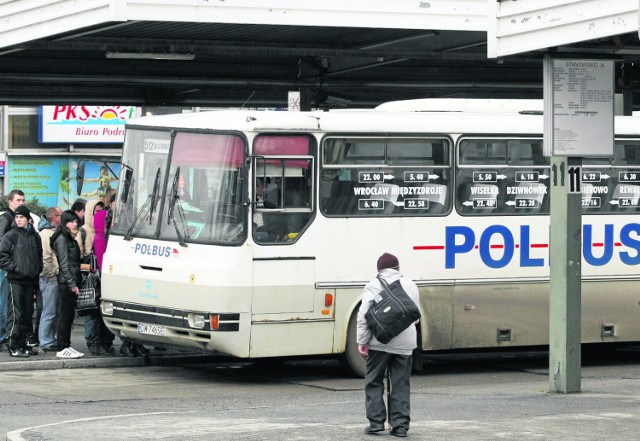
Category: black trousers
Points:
column 66, row 314
column 399, row 400
column 20, row 314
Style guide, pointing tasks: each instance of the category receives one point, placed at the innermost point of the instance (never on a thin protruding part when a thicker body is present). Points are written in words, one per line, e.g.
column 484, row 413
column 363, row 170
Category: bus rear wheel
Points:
column 351, row 360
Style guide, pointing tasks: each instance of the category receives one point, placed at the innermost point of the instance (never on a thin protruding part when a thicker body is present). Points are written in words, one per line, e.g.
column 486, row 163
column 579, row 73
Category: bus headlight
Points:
column 107, row 308
column 197, row 320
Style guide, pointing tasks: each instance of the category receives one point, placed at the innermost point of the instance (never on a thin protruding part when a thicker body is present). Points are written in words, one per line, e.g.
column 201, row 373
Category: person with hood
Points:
column 49, row 281
column 14, row 200
column 102, row 337
column 21, row 258
column 64, row 244
column 87, row 233
column 394, row 356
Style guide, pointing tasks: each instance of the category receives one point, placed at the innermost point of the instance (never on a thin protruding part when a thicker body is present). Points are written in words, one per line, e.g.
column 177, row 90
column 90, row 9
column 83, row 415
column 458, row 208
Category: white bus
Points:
column 253, row 233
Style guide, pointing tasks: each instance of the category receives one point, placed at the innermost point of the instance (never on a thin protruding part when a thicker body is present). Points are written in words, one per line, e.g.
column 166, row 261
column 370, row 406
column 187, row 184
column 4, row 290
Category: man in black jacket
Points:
column 21, row 258
column 15, row 199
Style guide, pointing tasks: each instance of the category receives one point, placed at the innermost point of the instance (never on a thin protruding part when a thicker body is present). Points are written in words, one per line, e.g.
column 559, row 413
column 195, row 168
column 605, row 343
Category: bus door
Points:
column 283, row 266
column 283, row 262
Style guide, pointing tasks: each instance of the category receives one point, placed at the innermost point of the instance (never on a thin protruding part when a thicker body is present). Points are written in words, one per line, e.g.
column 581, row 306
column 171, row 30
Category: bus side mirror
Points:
column 80, row 177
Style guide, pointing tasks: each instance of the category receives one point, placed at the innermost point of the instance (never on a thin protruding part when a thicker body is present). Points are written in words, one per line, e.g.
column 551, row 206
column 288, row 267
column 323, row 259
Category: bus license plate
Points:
column 151, row 329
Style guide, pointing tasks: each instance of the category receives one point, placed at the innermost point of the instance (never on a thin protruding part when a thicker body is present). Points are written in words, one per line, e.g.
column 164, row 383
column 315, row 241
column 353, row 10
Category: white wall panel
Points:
column 517, row 26
column 25, row 20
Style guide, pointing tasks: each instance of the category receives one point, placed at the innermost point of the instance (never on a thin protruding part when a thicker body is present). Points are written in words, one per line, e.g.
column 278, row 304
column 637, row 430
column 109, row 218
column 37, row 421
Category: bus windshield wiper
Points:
column 175, row 198
column 148, row 208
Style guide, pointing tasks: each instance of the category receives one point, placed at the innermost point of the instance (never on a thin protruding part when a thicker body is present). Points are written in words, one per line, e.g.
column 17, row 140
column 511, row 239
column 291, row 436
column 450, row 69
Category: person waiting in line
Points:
column 67, row 252
column 14, row 200
column 78, row 208
column 394, row 356
column 91, row 316
column 102, row 337
column 21, row 258
column 49, row 281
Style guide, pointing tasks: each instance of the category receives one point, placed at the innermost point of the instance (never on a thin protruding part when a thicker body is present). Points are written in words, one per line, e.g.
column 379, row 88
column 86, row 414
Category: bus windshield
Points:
column 191, row 191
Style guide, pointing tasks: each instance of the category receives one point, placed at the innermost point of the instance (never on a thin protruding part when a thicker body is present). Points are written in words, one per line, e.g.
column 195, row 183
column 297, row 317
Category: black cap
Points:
column 388, row 260
column 22, row 210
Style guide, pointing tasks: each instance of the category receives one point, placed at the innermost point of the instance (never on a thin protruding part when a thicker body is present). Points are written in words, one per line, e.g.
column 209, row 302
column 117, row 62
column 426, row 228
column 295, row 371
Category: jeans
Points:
column 48, row 320
column 4, row 303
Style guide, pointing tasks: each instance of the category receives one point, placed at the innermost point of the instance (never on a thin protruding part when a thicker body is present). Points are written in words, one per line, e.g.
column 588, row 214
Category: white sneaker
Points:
column 69, row 353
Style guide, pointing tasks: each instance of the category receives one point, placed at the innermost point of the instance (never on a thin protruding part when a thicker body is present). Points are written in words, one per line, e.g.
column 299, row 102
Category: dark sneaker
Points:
column 373, row 430
column 109, row 350
column 399, row 432
column 18, row 353
column 50, row 349
column 32, row 341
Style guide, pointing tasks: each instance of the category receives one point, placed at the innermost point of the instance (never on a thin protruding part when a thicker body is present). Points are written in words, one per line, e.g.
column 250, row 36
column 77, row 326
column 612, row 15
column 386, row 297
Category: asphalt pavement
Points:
column 496, row 404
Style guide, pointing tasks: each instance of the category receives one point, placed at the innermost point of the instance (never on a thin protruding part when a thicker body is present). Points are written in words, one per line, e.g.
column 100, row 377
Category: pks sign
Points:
column 84, row 124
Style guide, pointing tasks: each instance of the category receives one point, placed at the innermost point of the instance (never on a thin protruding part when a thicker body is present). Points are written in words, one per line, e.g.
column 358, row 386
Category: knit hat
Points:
column 22, row 210
column 387, row 260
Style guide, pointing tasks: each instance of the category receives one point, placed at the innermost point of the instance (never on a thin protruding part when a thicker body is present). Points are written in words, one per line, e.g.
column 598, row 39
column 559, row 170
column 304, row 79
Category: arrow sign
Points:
column 434, row 177
column 510, row 203
column 389, row 177
column 614, row 202
column 501, row 177
column 467, row 203
column 542, row 177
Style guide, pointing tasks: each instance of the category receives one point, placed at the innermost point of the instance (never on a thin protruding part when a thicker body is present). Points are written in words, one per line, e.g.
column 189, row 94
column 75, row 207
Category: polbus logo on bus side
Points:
column 462, row 240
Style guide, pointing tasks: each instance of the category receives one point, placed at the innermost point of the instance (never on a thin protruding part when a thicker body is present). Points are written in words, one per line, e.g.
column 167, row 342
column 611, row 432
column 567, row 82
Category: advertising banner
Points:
column 84, row 124
column 55, row 181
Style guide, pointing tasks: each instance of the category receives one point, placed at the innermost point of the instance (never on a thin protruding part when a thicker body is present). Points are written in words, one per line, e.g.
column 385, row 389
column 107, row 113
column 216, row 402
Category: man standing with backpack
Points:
column 393, row 356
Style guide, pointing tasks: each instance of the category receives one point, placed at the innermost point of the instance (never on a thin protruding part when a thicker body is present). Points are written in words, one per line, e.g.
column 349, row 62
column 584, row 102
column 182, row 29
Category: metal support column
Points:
column 565, row 258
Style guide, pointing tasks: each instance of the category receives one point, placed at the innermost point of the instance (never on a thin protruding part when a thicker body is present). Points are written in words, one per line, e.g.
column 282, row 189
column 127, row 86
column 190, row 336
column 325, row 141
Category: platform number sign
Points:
column 574, row 177
column 574, row 180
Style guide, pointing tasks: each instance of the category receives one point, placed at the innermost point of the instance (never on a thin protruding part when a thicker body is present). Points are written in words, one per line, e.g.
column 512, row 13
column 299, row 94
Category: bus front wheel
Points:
column 351, row 360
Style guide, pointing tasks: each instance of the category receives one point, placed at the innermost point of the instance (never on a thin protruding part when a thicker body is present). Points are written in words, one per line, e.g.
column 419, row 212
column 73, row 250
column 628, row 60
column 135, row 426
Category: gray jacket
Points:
column 405, row 342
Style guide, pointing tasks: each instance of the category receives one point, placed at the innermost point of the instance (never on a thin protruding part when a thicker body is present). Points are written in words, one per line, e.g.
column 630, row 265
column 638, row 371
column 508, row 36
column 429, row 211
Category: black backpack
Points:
column 394, row 313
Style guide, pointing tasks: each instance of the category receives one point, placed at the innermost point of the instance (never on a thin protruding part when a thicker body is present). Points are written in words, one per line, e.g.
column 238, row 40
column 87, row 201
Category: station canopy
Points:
column 242, row 53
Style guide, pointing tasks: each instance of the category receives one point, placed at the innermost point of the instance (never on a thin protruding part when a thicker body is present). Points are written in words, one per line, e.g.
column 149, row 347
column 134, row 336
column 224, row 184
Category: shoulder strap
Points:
column 384, row 283
column 83, row 235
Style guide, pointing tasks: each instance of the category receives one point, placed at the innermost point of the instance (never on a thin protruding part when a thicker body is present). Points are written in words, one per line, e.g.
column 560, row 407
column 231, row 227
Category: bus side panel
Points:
column 293, row 338
column 613, row 305
column 506, row 314
column 437, row 321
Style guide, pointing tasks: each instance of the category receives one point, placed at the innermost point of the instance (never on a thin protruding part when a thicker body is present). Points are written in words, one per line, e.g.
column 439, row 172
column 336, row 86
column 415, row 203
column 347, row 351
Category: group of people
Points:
column 45, row 266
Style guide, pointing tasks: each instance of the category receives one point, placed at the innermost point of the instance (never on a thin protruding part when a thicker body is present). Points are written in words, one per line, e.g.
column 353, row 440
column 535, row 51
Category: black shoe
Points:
column 400, row 432
column 373, row 430
column 140, row 350
column 50, row 349
column 109, row 350
column 93, row 350
column 19, row 353
column 32, row 341
column 126, row 349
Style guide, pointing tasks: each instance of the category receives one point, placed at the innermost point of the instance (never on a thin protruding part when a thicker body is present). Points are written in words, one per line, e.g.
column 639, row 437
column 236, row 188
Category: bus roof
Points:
column 463, row 105
column 365, row 122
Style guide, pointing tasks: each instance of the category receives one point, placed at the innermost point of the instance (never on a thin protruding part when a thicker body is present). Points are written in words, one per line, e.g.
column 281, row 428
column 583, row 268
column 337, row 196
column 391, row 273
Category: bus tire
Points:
column 351, row 360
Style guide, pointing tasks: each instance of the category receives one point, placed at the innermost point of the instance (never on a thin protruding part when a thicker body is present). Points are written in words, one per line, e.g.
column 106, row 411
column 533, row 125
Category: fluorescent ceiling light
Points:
column 150, row 56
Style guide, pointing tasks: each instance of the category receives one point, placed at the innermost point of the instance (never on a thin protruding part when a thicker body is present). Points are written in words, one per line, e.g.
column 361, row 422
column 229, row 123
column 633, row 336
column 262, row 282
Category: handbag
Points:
column 392, row 313
column 89, row 297
column 89, row 262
